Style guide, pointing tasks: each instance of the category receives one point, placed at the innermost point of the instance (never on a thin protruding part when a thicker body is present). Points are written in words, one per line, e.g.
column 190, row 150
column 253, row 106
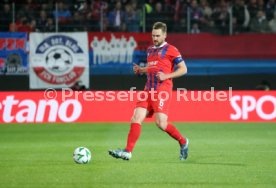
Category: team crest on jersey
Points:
column 58, row 60
column 152, row 63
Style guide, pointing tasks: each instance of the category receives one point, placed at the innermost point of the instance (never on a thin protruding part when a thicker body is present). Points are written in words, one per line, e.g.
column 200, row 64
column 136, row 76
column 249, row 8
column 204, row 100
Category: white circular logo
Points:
column 59, row 60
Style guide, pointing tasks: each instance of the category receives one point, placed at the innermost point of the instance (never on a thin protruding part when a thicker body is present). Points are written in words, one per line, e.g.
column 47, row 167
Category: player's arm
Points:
column 137, row 69
column 180, row 71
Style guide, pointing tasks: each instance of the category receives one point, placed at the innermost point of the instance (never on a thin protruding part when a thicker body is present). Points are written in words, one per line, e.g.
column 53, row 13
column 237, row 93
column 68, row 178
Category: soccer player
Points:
column 162, row 58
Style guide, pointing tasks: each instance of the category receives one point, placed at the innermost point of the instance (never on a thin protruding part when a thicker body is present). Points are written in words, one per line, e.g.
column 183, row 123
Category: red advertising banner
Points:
column 247, row 46
column 117, row 106
column 243, row 46
column 143, row 39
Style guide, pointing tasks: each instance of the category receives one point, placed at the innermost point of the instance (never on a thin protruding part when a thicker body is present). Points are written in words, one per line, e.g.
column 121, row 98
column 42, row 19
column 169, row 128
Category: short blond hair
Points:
column 160, row 25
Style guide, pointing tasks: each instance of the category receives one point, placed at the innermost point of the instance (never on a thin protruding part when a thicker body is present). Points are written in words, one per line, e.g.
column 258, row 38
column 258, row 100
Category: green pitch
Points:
column 221, row 155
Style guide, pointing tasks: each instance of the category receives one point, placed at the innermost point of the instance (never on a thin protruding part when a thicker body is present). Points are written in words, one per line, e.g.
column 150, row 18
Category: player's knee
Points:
column 137, row 119
column 161, row 124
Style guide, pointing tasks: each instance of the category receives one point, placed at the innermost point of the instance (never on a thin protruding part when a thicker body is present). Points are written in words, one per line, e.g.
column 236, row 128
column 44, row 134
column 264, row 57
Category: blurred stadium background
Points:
column 91, row 46
column 233, row 44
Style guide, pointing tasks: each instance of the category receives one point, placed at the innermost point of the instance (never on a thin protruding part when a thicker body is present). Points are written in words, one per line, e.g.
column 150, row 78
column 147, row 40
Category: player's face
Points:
column 158, row 37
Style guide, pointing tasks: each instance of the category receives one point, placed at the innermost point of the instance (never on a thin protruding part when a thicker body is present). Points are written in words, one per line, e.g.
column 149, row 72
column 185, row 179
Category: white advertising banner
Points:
column 58, row 60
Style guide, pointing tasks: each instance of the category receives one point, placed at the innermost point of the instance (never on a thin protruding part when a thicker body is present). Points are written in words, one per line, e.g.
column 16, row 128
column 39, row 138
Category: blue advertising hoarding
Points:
column 13, row 53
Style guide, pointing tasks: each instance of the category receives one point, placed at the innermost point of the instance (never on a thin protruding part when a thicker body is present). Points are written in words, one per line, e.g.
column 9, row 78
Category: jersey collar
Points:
column 163, row 44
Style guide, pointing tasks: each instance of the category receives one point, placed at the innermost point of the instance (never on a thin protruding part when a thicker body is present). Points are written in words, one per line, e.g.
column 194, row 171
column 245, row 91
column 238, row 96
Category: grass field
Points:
column 221, row 155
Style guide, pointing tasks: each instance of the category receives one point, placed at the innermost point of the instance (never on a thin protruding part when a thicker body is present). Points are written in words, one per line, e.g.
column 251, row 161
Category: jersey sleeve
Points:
column 175, row 55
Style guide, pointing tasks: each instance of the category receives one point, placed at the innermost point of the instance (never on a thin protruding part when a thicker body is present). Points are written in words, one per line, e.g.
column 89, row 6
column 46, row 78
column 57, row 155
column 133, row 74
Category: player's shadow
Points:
column 215, row 163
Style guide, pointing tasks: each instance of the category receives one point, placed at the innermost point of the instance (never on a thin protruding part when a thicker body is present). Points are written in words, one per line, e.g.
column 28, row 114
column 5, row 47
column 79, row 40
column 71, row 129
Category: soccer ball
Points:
column 59, row 60
column 82, row 155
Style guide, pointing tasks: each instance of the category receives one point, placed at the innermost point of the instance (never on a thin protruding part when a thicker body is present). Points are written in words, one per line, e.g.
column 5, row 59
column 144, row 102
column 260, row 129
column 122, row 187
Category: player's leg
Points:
column 161, row 120
column 133, row 135
column 135, row 127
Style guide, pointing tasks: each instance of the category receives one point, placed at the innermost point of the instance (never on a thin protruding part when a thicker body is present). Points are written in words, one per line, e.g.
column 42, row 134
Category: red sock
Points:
column 173, row 132
column 133, row 135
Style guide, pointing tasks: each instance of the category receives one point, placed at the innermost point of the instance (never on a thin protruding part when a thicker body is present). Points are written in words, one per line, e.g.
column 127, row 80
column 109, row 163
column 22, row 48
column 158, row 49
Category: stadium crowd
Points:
column 135, row 16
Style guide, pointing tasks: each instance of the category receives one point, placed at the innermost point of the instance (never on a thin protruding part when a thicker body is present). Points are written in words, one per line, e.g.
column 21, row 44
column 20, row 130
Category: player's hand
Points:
column 136, row 69
column 161, row 76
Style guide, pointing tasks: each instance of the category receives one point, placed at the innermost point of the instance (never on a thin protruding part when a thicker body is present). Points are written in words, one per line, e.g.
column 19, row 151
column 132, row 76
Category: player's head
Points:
column 159, row 33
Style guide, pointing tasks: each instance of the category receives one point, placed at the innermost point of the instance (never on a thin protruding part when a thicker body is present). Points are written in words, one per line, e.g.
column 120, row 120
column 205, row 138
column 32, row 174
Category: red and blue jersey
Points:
column 161, row 59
